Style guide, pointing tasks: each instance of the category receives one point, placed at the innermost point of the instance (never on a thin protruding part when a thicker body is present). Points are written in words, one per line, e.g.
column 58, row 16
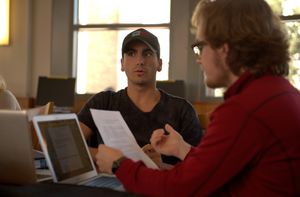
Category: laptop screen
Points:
column 66, row 148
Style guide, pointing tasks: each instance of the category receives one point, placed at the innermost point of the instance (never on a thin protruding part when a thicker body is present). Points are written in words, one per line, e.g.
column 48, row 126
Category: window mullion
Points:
column 290, row 18
column 120, row 26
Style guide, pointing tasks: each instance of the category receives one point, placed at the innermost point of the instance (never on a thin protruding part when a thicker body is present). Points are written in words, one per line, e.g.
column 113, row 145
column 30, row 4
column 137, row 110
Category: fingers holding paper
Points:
column 155, row 156
column 171, row 144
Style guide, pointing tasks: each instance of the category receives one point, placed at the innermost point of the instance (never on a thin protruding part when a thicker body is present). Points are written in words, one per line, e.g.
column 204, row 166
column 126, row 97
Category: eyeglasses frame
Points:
column 197, row 47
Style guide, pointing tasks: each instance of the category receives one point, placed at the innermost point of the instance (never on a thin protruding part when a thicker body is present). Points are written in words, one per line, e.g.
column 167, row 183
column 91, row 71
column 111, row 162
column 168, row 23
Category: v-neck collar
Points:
column 138, row 109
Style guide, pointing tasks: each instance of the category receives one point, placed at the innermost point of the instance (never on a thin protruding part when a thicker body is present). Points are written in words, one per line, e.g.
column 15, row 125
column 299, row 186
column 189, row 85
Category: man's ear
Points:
column 159, row 67
column 224, row 50
column 122, row 66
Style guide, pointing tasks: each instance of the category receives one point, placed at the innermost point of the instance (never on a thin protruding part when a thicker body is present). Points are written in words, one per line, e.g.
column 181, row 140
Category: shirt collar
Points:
column 242, row 82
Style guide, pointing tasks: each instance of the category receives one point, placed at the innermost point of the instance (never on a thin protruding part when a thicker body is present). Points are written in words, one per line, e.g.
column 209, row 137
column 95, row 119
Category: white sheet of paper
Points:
column 115, row 133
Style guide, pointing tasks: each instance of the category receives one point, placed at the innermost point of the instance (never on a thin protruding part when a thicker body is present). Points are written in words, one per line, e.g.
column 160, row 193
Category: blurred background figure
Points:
column 7, row 99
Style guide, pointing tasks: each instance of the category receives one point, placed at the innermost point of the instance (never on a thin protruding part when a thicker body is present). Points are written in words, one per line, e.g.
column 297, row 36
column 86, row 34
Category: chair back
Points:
column 204, row 109
column 42, row 110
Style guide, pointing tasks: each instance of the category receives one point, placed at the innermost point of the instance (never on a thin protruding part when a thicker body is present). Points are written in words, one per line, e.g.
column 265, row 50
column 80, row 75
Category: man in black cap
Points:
column 143, row 106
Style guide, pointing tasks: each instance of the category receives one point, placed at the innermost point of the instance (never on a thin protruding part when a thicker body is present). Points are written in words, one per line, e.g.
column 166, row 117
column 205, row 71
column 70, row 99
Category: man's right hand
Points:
column 171, row 144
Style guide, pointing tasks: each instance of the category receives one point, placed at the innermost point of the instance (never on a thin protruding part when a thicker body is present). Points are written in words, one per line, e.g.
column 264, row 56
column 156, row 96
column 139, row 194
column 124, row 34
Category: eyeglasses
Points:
column 198, row 46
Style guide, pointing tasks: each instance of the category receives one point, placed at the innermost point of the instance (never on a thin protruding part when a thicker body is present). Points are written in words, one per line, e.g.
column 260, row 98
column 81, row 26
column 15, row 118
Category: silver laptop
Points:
column 67, row 154
column 16, row 153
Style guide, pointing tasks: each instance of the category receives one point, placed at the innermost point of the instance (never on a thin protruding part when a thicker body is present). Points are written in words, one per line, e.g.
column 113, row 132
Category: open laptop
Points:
column 16, row 153
column 67, row 154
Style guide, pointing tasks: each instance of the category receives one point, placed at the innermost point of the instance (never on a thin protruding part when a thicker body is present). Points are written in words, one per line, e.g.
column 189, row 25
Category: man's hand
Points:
column 171, row 144
column 105, row 158
column 151, row 152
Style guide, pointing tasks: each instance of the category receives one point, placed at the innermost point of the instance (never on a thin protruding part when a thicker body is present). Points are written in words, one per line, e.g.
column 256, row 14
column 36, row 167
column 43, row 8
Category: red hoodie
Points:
column 251, row 148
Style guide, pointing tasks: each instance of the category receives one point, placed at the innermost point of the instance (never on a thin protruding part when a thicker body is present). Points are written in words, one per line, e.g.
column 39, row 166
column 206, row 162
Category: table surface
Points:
column 57, row 190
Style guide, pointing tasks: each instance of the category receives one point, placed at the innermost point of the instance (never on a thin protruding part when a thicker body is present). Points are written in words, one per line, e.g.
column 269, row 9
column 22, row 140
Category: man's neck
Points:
column 145, row 98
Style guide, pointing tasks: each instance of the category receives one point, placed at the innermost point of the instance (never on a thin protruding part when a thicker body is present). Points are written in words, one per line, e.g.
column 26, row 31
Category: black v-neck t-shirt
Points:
column 176, row 111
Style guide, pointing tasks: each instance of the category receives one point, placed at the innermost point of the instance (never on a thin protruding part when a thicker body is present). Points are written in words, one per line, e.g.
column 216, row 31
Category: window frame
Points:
column 284, row 19
column 76, row 27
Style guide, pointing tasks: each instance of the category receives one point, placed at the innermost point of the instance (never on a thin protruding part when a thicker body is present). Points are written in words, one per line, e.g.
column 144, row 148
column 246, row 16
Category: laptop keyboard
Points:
column 42, row 176
column 105, row 181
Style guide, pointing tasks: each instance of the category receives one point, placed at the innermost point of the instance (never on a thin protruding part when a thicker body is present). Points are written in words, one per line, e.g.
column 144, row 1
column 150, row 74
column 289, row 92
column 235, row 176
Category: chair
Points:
column 204, row 120
column 204, row 109
column 175, row 87
column 26, row 102
column 42, row 110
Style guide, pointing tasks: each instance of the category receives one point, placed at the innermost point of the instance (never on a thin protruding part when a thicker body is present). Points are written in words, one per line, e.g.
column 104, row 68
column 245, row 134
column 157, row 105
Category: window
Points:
column 289, row 11
column 99, row 29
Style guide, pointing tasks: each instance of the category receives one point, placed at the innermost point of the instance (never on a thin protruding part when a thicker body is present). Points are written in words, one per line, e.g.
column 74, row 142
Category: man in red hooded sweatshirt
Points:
column 252, row 144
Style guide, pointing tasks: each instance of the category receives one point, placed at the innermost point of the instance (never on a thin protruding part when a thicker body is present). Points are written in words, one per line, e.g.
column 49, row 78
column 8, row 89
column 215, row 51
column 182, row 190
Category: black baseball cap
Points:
column 142, row 35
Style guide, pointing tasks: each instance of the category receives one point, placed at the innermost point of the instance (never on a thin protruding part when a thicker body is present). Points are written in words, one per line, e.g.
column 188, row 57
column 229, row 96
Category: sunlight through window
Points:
column 99, row 29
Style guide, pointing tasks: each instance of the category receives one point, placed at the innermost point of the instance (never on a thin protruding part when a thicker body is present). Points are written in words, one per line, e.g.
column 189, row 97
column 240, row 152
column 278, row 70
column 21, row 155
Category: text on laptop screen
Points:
column 65, row 147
